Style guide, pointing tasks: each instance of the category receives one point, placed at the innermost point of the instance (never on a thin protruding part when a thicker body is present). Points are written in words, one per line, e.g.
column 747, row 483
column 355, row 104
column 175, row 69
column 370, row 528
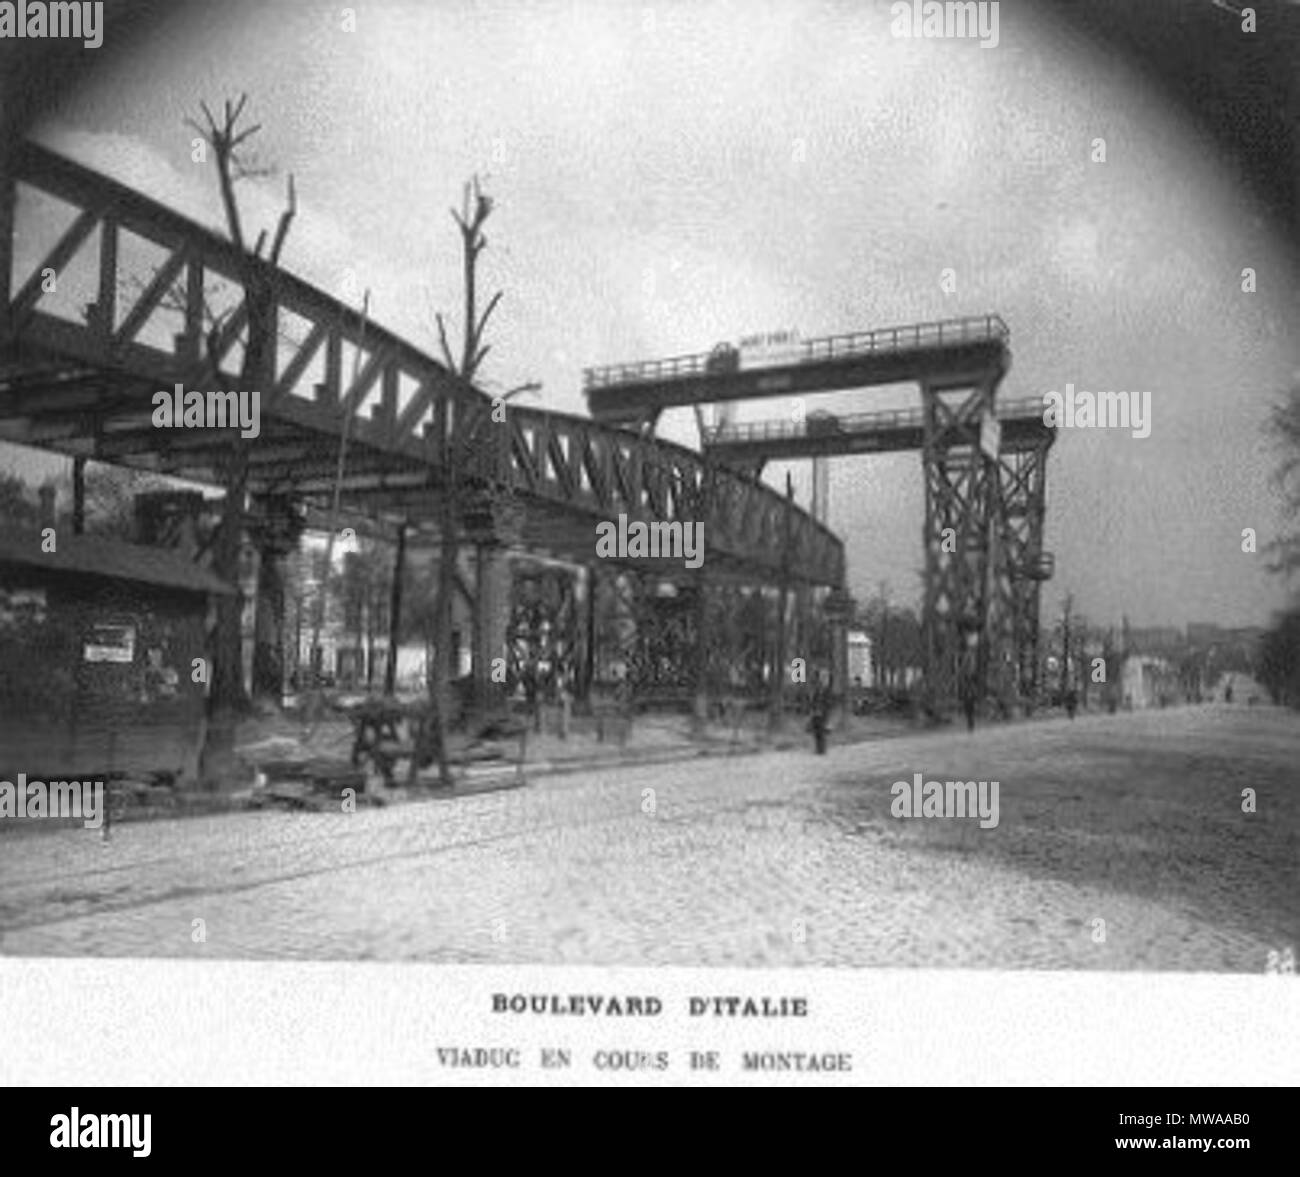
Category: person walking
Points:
column 821, row 708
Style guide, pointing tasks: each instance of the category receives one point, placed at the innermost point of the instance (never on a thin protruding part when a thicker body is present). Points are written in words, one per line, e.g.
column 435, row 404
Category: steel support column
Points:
column 960, row 512
column 1023, row 506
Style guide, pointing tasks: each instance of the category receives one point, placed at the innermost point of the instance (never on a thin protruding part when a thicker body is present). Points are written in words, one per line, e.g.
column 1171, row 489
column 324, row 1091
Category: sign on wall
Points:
column 110, row 643
column 770, row 348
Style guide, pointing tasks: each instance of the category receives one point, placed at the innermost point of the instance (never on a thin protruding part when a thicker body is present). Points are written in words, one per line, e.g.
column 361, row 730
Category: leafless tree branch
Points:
column 442, row 340
column 286, row 219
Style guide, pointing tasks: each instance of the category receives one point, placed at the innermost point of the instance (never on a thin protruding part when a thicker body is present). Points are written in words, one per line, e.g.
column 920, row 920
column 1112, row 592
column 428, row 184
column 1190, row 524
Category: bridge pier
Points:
column 490, row 623
column 1023, row 507
column 961, row 536
column 661, row 639
column 547, row 617
column 618, row 661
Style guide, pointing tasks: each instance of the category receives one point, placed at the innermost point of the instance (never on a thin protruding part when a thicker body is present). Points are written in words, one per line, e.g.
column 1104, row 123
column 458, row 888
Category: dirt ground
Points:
column 774, row 858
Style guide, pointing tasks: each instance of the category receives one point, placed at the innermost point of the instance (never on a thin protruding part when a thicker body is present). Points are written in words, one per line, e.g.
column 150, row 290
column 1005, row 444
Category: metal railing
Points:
column 882, row 341
column 849, row 423
column 645, row 371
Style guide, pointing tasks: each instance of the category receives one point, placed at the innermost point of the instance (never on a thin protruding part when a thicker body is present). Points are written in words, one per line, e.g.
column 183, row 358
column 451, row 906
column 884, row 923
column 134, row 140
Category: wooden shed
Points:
column 99, row 643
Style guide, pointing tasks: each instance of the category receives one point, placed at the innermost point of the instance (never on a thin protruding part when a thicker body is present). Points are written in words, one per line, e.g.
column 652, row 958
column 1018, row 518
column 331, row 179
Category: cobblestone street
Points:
column 774, row 859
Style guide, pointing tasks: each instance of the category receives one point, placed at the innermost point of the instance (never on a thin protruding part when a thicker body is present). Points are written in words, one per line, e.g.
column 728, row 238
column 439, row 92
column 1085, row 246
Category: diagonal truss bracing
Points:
column 84, row 383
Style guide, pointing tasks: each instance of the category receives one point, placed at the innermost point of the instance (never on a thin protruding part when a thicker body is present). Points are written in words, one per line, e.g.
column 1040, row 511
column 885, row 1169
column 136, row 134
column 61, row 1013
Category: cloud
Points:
column 319, row 248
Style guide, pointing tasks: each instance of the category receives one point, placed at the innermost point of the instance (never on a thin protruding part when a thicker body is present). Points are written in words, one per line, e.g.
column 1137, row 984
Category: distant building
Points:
column 861, row 668
column 1146, row 681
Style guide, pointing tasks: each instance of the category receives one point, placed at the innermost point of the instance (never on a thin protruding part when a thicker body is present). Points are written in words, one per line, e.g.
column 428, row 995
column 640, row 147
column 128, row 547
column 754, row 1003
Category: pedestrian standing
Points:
column 821, row 707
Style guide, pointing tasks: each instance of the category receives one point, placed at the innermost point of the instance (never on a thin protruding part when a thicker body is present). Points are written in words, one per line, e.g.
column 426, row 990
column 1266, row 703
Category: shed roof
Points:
column 112, row 558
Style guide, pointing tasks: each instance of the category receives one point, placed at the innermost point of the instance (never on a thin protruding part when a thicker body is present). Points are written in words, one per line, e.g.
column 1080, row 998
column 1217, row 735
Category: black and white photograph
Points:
column 798, row 492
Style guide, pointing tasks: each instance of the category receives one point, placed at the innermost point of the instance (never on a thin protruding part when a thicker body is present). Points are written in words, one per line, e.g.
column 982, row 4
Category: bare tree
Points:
column 258, row 276
column 475, row 209
column 458, row 463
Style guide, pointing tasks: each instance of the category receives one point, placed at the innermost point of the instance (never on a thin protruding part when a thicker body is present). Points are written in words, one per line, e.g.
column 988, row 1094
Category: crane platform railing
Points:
column 826, row 348
column 817, row 424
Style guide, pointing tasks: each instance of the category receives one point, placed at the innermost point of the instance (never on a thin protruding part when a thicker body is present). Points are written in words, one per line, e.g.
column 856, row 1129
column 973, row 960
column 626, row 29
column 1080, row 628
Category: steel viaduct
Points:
column 127, row 314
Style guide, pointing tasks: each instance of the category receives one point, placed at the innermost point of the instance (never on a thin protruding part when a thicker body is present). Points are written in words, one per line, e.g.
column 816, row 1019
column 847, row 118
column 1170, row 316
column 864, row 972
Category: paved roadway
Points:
column 776, row 859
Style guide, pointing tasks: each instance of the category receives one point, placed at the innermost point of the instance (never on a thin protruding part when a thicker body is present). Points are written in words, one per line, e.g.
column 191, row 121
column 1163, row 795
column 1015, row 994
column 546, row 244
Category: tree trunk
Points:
column 268, row 648
column 226, row 699
column 440, row 694
column 79, row 496
column 228, row 671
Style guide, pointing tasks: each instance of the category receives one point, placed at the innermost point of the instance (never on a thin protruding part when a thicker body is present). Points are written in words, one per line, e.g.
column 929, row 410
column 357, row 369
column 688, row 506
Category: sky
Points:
column 670, row 175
